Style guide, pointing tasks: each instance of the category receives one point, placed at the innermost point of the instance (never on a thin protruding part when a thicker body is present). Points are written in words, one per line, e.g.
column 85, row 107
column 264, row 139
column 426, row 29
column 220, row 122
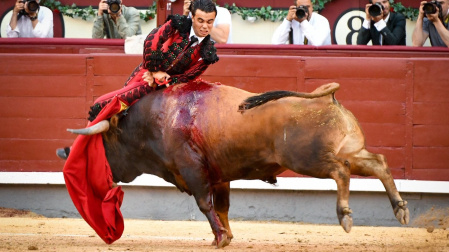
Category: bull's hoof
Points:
column 214, row 242
column 346, row 220
column 221, row 241
column 346, row 223
column 402, row 213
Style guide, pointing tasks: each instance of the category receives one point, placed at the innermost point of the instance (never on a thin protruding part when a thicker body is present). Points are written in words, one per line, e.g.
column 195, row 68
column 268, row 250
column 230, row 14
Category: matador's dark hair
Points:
column 207, row 6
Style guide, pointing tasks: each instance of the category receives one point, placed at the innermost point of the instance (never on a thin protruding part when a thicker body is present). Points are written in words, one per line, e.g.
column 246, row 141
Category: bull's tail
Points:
column 258, row 100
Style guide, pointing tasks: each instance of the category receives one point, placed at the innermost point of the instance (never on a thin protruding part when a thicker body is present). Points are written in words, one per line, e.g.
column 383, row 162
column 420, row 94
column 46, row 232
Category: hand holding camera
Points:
column 26, row 7
column 302, row 12
column 374, row 11
column 299, row 13
column 112, row 7
column 433, row 10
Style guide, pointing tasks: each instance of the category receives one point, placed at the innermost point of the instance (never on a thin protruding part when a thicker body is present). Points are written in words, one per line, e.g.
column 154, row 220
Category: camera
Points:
column 431, row 7
column 376, row 10
column 301, row 11
column 114, row 5
column 33, row 6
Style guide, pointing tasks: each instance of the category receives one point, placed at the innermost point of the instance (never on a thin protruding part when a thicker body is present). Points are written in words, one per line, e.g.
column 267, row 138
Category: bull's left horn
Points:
column 101, row 126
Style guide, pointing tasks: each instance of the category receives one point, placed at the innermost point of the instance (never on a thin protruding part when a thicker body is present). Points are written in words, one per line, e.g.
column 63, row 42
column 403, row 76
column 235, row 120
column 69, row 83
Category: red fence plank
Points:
column 27, row 149
column 431, row 174
column 431, row 158
column 106, row 84
column 256, row 66
column 255, row 84
column 54, row 107
column 368, row 68
column 31, row 165
column 115, row 64
column 430, row 90
column 39, row 128
column 382, row 134
column 431, row 113
column 431, row 135
column 42, row 64
column 377, row 112
column 42, row 86
column 364, row 89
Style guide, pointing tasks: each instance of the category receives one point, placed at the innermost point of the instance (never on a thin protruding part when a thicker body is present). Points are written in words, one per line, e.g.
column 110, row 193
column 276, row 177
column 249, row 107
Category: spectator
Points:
column 310, row 29
column 120, row 23
column 166, row 59
column 435, row 26
column 383, row 27
column 222, row 31
column 29, row 20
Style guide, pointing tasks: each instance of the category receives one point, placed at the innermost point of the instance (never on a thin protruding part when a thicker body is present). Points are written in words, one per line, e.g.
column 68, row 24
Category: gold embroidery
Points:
column 123, row 106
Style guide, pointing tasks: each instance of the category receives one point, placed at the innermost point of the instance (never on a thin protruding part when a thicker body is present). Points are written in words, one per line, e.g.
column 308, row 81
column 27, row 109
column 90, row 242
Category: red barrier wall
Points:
column 399, row 96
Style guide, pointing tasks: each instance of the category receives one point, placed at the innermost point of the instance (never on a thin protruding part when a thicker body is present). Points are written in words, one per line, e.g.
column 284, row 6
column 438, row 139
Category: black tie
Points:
column 193, row 39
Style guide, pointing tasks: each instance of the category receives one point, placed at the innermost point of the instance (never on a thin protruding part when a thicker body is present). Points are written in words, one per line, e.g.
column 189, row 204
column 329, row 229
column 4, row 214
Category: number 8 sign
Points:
column 347, row 27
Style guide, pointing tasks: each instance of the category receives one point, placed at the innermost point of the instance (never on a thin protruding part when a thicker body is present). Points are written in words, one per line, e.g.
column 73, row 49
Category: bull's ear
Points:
column 101, row 126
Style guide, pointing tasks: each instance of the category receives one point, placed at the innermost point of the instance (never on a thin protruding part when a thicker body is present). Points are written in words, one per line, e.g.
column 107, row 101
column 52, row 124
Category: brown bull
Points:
column 200, row 136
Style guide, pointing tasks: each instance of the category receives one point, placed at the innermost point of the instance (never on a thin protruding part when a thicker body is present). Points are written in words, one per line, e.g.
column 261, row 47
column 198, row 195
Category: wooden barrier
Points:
column 399, row 96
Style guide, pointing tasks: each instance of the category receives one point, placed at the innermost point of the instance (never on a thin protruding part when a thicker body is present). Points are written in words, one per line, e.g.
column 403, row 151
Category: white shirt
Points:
column 379, row 25
column 223, row 17
column 317, row 31
column 24, row 28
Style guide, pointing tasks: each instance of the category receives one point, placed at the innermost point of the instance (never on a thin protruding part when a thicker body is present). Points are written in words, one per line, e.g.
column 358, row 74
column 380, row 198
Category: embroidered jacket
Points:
column 167, row 49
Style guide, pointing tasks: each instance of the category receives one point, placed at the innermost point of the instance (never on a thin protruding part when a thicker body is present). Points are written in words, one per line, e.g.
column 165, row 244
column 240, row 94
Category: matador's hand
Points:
column 148, row 78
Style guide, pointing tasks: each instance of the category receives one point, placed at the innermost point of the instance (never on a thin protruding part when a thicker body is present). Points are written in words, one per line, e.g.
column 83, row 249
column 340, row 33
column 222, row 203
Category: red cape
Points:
column 88, row 178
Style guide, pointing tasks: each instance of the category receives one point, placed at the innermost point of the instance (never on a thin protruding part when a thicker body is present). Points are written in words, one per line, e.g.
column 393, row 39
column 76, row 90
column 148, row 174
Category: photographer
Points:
column 381, row 26
column 432, row 22
column 222, row 31
column 115, row 20
column 29, row 20
column 303, row 27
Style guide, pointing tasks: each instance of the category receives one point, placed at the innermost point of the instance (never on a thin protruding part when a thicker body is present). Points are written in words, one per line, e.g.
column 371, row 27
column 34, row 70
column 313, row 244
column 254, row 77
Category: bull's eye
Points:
column 347, row 164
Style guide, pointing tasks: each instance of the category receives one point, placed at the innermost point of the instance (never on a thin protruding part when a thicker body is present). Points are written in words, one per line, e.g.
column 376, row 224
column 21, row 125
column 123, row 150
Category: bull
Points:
column 200, row 136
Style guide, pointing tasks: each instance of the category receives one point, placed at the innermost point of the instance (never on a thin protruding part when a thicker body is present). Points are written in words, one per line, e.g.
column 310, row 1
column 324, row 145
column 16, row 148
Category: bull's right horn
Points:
column 101, row 126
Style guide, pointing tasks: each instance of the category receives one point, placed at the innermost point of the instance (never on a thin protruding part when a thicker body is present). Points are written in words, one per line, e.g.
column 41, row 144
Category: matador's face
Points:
column 202, row 22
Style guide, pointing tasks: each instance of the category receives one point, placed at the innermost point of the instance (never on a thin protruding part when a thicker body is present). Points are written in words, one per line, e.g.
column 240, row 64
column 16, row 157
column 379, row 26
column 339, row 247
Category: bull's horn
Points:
column 102, row 126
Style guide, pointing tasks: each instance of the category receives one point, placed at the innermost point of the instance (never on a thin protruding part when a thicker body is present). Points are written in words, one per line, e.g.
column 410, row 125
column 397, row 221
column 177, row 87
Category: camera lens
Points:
column 114, row 7
column 33, row 6
column 300, row 12
column 375, row 10
column 429, row 8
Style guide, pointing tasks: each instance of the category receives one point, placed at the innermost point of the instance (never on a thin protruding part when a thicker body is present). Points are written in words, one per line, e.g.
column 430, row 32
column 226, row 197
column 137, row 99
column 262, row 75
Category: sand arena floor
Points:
column 23, row 231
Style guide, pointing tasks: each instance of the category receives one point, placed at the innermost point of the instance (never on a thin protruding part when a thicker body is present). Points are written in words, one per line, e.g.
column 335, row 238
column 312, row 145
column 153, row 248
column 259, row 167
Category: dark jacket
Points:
column 393, row 33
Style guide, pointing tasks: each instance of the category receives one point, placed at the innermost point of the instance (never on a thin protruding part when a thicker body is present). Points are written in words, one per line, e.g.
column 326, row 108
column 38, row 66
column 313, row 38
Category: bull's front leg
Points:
column 221, row 205
column 199, row 185
column 341, row 175
column 369, row 164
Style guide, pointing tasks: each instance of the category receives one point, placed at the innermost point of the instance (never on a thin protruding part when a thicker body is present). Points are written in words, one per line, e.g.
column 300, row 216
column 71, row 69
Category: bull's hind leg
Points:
column 365, row 163
column 341, row 175
column 221, row 205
